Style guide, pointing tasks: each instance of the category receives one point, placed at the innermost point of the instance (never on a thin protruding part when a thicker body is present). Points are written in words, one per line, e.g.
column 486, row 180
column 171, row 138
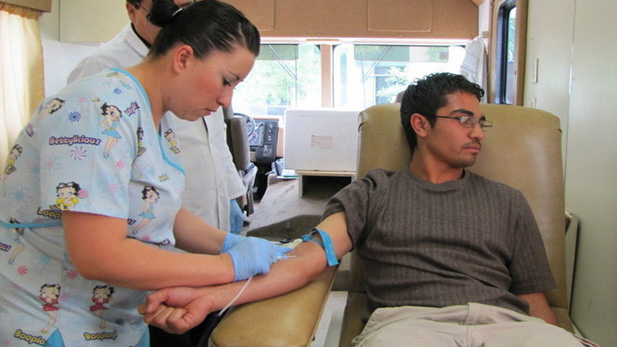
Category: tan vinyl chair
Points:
column 522, row 150
column 288, row 320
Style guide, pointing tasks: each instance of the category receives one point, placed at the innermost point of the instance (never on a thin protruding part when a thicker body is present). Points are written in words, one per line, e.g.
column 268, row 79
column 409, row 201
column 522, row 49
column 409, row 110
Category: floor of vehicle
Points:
column 281, row 212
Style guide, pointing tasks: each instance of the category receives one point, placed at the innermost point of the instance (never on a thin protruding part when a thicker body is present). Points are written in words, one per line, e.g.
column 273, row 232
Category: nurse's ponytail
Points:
column 205, row 26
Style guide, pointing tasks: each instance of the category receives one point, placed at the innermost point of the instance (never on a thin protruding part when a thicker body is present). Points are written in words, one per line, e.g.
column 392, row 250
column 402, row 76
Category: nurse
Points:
column 94, row 206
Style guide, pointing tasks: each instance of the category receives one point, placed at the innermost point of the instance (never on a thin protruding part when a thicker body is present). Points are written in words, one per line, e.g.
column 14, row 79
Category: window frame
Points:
column 328, row 82
column 503, row 40
column 519, row 50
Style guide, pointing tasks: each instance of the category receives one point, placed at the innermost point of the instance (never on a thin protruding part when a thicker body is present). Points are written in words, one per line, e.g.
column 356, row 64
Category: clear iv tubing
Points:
column 236, row 297
column 242, row 290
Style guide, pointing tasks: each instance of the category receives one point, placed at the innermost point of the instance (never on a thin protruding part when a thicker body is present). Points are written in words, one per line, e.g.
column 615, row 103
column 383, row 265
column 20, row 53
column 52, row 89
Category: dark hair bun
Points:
column 162, row 12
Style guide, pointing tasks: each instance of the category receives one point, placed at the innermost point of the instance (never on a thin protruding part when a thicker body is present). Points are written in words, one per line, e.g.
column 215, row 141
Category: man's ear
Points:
column 419, row 124
column 182, row 57
column 130, row 10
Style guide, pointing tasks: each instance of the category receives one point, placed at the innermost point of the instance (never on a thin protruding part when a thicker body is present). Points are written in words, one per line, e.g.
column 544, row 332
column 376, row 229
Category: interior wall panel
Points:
column 410, row 15
column 39, row 5
column 411, row 19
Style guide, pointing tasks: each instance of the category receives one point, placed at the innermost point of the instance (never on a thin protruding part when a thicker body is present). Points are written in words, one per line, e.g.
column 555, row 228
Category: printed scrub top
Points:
column 91, row 148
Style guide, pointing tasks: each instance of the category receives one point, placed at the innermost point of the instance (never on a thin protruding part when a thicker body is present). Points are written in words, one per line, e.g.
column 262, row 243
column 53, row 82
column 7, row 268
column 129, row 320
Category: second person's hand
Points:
column 252, row 256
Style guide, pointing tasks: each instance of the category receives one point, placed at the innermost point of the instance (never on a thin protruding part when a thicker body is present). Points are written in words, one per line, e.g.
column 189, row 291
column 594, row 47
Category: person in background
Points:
column 95, row 233
column 451, row 258
column 212, row 181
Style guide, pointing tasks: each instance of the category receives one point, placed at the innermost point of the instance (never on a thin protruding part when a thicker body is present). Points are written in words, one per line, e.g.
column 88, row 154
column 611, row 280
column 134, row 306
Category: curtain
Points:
column 21, row 71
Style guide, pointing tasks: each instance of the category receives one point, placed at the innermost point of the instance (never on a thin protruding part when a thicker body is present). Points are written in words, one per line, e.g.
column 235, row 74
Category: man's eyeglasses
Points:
column 469, row 122
column 182, row 6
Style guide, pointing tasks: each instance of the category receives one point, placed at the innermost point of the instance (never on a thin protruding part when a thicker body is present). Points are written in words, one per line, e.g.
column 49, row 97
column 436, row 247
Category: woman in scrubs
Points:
column 73, row 200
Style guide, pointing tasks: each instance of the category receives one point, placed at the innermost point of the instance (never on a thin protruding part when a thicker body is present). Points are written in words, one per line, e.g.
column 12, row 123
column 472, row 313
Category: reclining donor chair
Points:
column 522, row 150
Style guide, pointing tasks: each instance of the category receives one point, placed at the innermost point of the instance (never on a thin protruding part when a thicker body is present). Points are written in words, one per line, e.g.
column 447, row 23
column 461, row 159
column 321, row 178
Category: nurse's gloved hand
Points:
column 253, row 256
column 231, row 241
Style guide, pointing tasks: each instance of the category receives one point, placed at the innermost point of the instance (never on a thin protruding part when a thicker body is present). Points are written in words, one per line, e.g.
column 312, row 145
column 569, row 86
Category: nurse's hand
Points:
column 176, row 310
column 231, row 240
column 253, row 256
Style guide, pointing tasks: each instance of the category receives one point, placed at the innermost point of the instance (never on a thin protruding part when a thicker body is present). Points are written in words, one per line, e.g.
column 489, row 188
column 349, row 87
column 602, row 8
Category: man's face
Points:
column 450, row 144
column 139, row 18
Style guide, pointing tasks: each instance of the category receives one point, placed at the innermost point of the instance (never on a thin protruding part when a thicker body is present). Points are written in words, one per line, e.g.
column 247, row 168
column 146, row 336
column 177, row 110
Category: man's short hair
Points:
column 425, row 96
column 134, row 3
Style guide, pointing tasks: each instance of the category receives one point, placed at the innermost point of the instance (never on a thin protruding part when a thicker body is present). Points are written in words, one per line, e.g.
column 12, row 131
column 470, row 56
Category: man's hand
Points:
column 176, row 310
column 539, row 307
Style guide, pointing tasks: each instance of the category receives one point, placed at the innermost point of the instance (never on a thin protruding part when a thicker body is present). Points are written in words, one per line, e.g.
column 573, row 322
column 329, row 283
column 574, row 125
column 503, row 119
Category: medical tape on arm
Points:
column 326, row 244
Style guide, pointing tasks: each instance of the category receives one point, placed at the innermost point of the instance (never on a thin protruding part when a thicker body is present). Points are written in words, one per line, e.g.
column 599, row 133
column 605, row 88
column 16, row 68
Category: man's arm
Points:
column 178, row 309
column 539, row 307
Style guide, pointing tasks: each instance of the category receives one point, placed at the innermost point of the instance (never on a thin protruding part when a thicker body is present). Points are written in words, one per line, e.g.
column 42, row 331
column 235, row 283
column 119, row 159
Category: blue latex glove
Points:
column 253, row 256
column 231, row 240
column 236, row 217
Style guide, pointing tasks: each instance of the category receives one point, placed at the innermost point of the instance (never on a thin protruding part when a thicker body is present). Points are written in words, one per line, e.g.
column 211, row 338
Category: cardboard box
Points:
column 321, row 140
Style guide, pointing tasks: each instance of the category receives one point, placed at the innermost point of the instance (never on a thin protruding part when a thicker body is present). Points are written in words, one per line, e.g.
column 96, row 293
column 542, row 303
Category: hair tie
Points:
column 175, row 13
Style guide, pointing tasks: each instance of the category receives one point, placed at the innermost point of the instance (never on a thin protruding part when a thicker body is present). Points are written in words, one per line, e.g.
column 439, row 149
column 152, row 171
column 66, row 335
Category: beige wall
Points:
column 549, row 47
column 91, row 20
column 59, row 57
column 591, row 167
column 573, row 43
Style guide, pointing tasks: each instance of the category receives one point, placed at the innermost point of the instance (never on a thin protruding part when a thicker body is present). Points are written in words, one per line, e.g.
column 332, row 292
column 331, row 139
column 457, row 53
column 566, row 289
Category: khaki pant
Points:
column 464, row 325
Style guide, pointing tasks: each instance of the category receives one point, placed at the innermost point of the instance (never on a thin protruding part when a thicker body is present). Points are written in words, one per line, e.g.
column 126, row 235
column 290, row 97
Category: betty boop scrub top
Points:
column 91, row 148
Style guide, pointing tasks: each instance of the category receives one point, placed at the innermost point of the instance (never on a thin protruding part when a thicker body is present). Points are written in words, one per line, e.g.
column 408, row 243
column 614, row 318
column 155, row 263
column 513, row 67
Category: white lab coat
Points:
column 210, row 172
column 211, row 177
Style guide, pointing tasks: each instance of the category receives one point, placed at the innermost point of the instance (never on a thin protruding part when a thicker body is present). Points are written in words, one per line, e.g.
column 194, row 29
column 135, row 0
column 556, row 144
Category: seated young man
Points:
column 451, row 258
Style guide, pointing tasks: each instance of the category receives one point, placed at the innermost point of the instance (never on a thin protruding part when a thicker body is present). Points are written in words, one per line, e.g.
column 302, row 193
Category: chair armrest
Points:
column 286, row 320
column 352, row 319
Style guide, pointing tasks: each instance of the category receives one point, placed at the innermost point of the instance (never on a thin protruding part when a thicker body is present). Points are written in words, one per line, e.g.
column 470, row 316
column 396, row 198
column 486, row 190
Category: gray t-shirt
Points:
column 437, row 245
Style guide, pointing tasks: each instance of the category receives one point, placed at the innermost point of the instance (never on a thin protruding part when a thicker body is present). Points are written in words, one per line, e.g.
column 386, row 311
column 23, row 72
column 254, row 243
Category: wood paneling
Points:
column 414, row 19
column 400, row 15
column 261, row 12
column 40, row 5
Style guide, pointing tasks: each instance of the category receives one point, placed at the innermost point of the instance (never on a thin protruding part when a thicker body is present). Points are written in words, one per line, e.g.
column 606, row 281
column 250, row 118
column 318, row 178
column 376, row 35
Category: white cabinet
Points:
column 323, row 139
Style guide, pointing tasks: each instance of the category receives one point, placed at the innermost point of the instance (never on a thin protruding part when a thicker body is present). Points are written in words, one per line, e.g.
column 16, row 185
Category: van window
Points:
column 284, row 75
column 289, row 75
column 366, row 75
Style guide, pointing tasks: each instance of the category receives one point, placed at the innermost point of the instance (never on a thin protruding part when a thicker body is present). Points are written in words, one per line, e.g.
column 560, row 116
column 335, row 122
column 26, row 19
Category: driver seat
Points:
column 238, row 142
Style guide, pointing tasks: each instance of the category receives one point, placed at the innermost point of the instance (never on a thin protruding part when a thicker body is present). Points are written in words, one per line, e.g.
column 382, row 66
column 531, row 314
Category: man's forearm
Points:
column 179, row 309
column 305, row 263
